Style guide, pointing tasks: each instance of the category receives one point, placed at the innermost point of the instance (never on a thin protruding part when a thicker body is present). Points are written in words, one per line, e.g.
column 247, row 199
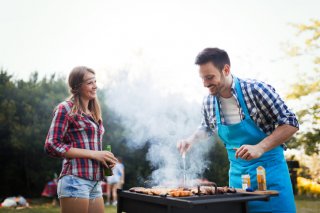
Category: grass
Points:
column 307, row 205
column 47, row 208
column 304, row 205
column 43, row 205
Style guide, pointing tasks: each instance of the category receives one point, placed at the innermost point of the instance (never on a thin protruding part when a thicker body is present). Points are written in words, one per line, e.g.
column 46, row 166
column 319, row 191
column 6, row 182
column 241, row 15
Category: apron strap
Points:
column 243, row 106
column 217, row 111
column 240, row 98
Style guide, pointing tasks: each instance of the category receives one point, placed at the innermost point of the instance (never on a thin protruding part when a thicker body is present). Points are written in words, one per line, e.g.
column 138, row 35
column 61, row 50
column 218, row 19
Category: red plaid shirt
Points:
column 78, row 131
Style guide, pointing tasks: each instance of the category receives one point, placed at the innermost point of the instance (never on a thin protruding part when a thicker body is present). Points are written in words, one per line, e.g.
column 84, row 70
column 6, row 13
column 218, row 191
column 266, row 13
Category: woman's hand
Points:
column 106, row 158
column 249, row 152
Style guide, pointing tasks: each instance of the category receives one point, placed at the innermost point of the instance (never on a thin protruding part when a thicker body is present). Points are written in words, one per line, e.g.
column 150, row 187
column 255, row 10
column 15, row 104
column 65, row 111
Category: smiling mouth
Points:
column 212, row 89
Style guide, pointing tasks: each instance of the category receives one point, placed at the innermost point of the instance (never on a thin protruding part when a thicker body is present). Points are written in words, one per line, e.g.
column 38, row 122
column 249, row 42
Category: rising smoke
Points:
column 161, row 119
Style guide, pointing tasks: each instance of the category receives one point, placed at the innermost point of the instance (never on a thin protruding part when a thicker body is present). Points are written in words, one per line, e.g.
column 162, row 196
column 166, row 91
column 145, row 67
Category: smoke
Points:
column 152, row 115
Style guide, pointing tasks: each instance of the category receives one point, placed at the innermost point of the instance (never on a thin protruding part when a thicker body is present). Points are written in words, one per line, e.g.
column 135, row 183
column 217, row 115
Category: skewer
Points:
column 184, row 168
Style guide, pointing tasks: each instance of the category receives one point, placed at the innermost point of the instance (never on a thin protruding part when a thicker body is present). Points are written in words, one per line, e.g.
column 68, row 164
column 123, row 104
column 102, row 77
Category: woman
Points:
column 75, row 134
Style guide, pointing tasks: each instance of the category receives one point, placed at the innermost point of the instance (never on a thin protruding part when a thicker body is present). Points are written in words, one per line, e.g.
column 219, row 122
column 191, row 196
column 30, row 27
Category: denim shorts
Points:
column 73, row 186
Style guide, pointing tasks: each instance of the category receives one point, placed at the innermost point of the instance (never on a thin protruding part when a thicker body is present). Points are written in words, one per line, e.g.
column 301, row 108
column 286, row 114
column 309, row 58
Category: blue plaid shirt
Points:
column 265, row 106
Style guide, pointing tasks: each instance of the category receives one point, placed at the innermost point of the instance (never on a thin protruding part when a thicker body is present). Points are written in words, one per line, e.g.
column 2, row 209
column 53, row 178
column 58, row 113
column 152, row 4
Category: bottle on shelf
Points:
column 261, row 178
column 246, row 183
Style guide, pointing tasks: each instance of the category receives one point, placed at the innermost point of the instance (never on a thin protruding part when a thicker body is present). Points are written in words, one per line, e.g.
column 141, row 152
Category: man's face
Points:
column 212, row 78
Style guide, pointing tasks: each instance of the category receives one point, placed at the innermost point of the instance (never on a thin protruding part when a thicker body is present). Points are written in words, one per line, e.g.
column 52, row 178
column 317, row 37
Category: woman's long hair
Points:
column 75, row 81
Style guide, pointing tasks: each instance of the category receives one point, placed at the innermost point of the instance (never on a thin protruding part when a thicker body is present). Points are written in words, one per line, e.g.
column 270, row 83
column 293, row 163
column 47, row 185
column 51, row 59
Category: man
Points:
column 252, row 121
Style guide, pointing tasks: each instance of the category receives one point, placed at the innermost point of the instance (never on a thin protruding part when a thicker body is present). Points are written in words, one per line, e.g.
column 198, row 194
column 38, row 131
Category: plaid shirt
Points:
column 78, row 131
column 265, row 107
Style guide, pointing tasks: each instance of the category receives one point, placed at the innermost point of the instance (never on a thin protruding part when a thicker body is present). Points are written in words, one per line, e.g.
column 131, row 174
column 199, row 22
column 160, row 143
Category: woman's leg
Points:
column 109, row 193
column 70, row 205
column 96, row 205
column 114, row 193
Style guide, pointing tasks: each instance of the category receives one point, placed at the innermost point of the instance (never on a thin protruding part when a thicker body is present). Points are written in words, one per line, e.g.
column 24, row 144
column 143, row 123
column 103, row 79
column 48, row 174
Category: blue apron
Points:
column 277, row 174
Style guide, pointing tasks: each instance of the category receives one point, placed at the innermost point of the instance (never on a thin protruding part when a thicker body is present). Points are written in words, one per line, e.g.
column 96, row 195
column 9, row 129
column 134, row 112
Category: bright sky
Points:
column 156, row 38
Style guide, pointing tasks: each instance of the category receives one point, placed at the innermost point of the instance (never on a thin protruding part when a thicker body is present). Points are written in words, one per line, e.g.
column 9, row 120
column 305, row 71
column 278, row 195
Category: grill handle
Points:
column 215, row 188
column 213, row 184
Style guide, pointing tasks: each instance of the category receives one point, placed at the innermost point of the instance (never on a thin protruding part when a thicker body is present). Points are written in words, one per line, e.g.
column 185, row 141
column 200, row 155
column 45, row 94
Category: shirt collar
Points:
column 233, row 85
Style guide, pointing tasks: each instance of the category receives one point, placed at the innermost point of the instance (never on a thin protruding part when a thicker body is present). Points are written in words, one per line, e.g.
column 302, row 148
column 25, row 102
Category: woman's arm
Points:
column 54, row 145
column 101, row 156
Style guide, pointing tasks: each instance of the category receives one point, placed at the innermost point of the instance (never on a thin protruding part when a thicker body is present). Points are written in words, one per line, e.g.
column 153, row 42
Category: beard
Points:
column 218, row 86
column 213, row 90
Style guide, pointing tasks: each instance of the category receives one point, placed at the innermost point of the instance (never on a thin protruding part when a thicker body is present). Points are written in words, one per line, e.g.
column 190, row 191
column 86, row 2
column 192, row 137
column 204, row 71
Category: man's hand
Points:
column 184, row 146
column 249, row 152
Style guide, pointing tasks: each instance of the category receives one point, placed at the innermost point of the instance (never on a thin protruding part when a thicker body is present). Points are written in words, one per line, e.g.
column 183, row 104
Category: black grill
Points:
column 132, row 202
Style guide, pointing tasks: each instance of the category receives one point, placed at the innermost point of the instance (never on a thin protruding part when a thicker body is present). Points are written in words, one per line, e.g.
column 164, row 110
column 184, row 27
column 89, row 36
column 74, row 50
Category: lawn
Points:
column 43, row 205
column 307, row 205
column 304, row 205
column 47, row 208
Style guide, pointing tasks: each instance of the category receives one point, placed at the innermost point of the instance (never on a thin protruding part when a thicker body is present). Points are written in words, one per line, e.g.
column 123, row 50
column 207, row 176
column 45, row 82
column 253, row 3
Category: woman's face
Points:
column 88, row 89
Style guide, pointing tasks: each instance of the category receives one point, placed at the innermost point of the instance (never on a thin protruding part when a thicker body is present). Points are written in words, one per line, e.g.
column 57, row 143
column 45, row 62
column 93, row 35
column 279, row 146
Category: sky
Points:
column 156, row 38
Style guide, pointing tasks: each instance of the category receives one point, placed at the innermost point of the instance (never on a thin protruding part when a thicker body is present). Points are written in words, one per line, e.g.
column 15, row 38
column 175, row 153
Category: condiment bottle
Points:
column 261, row 178
column 108, row 171
column 246, row 183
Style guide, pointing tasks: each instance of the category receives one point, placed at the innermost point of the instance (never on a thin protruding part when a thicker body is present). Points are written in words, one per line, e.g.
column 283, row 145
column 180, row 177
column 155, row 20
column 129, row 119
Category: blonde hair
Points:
column 75, row 81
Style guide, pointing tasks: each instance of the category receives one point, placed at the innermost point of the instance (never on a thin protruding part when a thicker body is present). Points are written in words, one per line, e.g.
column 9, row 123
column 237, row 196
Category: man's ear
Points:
column 226, row 69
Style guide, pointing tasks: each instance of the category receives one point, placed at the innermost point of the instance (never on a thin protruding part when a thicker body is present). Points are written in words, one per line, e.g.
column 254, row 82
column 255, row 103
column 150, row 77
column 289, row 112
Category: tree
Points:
column 25, row 113
column 307, row 90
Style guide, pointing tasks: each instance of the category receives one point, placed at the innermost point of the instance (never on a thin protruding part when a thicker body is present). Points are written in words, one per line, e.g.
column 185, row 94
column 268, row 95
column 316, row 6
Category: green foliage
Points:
column 25, row 114
column 308, row 85
column 304, row 88
column 219, row 167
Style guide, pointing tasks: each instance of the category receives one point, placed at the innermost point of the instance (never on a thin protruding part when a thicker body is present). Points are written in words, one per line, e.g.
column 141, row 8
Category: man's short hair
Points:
column 217, row 56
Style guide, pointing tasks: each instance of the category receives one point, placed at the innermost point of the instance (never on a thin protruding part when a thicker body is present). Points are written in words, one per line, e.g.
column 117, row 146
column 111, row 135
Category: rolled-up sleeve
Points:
column 205, row 125
column 274, row 106
column 55, row 146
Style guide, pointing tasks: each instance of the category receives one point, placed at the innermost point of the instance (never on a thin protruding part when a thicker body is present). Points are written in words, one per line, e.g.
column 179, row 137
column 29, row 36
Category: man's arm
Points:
column 280, row 135
column 202, row 133
column 278, row 112
column 184, row 145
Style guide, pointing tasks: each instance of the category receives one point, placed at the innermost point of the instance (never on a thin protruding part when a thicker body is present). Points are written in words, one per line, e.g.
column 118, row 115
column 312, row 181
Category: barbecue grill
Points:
column 132, row 202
